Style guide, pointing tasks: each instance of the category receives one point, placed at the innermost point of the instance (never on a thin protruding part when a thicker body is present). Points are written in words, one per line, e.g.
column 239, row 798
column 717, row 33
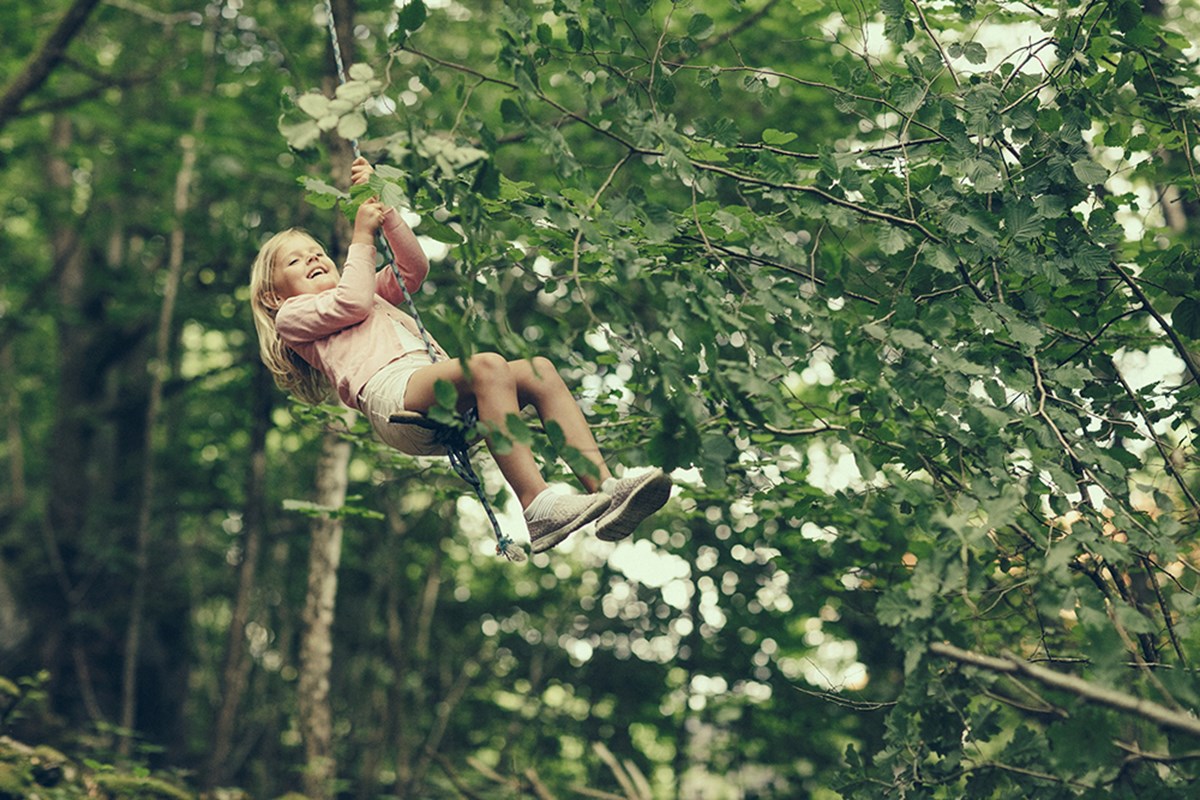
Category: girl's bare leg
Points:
column 540, row 385
column 493, row 391
column 497, row 388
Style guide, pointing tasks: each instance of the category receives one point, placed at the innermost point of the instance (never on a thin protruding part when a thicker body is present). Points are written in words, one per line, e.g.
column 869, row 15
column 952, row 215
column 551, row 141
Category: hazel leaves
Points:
column 343, row 113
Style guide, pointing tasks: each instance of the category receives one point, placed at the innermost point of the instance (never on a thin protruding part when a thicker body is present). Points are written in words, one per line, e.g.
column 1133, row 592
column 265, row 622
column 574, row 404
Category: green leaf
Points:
column 1186, row 318
column 411, row 17
column 315, row 104
column 1089, row 172
column 907, row 96
column 439, row 232
column 510, row 111
column 1129, row 15
column 1023, row 223
column 700, row 27
column 1024, row 334
column 574, row 34
column 445, row 395
column 352, row 126
column 893, row 239
column 516, row 428
column 975, row 52
column 360, row 72
column 777, row 138
column 322, row 194
column 897, row 27
column 300, row 135
column 1082, row 740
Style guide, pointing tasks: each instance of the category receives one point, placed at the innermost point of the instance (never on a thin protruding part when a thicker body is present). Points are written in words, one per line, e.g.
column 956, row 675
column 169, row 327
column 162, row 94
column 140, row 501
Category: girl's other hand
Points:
column 360, row 171
column 368, row 221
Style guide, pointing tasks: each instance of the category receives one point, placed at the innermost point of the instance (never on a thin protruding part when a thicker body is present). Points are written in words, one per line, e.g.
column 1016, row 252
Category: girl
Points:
column 317, row 328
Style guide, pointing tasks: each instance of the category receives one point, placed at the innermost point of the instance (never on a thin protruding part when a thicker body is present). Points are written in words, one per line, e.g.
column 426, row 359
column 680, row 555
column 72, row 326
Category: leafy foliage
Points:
column 907, row 294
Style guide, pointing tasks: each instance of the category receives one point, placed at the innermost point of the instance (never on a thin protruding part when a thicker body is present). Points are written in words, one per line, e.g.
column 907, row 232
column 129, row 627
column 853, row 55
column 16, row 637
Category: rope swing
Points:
column 452, row 439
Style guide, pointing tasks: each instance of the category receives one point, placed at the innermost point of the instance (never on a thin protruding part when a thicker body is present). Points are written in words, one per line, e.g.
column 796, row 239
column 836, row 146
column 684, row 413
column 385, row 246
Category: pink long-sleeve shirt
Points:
column 352, row 331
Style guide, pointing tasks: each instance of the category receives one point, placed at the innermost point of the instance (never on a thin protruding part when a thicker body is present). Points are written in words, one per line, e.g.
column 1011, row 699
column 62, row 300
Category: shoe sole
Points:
column 554, row 538
column 641, row 503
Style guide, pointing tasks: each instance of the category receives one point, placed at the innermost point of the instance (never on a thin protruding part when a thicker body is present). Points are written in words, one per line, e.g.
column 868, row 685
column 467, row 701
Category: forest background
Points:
column 905, row 294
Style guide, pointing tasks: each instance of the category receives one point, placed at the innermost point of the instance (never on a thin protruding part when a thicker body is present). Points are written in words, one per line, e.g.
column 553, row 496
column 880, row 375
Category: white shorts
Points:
column 383, row 396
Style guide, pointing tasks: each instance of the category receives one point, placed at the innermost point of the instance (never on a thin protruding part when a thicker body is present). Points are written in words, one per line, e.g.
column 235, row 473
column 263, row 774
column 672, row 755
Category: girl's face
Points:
column 301, row 267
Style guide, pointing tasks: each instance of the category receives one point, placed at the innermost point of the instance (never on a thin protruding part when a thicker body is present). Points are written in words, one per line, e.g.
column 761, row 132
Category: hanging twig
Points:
column 1162, row 607
column 455, row 781
column 617, row 770
column 535, row 783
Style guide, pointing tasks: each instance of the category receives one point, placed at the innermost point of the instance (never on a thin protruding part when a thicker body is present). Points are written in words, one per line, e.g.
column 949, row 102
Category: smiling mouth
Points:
column 318, row 271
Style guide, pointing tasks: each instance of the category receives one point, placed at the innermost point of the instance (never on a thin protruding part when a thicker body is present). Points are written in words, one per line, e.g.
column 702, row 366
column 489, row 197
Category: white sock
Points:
column 540, row 507
column 609, row 485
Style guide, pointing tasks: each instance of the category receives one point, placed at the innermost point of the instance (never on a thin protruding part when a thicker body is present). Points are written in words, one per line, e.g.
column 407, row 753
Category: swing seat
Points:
column 429, row 438
column 432, row 438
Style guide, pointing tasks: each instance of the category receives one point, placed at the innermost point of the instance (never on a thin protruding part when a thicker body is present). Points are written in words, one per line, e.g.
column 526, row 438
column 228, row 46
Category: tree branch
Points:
column 454, row 779
column 1180, row 347
column 929, row 32
column 43, row 61
column 1120, row 701
column 882, row 216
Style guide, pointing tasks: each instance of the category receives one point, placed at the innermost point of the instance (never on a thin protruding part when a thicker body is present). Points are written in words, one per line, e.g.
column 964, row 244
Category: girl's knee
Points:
column 543, row 368
column 489, row 369
column 538, row 379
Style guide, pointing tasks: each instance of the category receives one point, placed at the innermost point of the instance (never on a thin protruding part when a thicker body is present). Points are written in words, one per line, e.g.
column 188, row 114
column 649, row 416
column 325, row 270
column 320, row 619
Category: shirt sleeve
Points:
column 308, row 317
column 411, row 260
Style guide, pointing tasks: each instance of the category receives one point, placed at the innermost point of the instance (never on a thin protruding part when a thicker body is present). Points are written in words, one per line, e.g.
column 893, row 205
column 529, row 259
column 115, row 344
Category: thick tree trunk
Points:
column 316, row 644
column 70, row 484
column 16, row 443
column 158, row 375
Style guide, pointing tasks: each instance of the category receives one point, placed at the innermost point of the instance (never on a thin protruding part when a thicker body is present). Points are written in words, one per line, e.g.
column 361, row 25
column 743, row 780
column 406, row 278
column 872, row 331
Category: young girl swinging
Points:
column 318, row 329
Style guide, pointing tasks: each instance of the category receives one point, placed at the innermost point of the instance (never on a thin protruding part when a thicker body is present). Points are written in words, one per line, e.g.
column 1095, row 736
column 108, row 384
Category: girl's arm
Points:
column 307, row 317
column 411, row 260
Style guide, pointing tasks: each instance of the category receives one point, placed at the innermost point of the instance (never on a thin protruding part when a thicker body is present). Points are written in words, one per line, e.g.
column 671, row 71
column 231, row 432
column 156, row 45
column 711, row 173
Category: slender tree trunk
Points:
column 158, row 375
column 237, row 666
column 316, row 643
column 399, row 699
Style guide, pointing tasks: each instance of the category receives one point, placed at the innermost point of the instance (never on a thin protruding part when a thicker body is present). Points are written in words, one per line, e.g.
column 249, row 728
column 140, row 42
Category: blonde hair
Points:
column 292, row 373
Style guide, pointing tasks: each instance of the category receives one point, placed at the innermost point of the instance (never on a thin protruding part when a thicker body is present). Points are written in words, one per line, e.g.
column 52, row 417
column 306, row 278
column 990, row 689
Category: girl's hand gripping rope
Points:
column 368, row 221
column 360, row 171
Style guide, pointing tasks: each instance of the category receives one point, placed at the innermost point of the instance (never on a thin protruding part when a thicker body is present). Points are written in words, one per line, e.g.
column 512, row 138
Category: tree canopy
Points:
column 905, row 294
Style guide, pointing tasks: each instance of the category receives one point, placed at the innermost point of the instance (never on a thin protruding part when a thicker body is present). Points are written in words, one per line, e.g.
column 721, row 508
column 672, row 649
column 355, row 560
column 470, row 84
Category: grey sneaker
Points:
column 633, row 499
column 568, row 514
